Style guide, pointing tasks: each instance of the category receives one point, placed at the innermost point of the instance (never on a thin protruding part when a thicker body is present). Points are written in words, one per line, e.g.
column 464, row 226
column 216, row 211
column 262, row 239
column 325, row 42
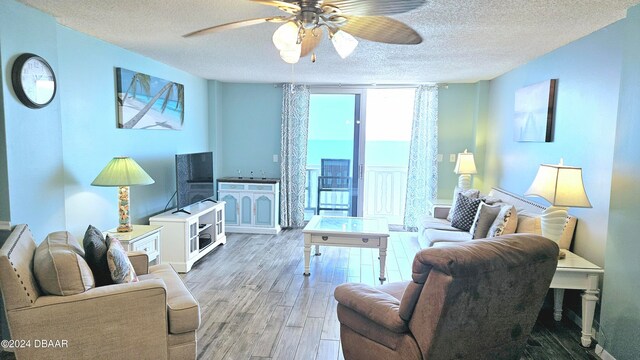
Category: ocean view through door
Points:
column 358, row 151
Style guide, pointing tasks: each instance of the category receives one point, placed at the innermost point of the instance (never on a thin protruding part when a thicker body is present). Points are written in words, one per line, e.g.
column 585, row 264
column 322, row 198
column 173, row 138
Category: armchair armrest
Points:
column 107, row 322
column 375, row 305
column 140, row 261
column 441, row 211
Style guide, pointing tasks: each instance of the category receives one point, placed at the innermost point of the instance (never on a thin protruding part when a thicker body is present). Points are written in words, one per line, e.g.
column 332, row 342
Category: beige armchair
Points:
column 475, row 300
column 155, row 318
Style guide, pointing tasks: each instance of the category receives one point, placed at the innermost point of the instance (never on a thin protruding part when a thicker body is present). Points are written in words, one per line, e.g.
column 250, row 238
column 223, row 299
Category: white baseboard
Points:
column 5, row 225
column 603, row 354
column 578, row 321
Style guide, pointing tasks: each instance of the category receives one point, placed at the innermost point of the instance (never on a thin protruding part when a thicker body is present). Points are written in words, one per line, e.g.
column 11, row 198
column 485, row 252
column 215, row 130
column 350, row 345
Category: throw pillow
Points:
column 505, row 223
column 529, row 223
column 58, row 266
column 484, row 219
column 95, row 248
column 119, row 264
column 471, row 193
column 465, row 212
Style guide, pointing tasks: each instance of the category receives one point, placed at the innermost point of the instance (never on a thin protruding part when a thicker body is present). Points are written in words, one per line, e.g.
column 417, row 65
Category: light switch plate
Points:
column 452, row 157
column 440, row 157
column 275, row 158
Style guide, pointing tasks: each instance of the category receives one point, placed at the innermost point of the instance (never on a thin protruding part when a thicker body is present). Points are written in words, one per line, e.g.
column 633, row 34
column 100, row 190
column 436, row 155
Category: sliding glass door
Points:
column 357, row 153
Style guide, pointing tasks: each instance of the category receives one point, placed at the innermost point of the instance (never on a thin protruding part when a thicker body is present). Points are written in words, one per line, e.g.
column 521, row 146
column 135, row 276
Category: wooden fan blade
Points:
column 311, row 39
column 381, row 29
column 286, row 6
column 375, row 7
column 237, row 24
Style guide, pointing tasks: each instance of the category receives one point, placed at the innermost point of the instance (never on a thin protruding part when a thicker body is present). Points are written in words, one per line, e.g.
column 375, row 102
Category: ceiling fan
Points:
column 303, row 27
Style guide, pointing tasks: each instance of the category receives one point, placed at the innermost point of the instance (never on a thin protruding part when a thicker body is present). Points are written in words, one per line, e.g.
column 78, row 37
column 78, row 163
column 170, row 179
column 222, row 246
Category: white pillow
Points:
column 505, row 223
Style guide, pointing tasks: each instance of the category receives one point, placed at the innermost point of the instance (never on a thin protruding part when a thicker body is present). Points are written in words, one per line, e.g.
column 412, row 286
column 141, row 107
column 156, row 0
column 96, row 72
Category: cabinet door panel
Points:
column 264, row 210
column 231, row 208
column 246, row 209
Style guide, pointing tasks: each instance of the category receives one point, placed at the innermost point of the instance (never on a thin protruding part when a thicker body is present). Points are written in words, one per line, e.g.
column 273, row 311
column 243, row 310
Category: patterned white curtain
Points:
column 422, row 178
column 293, row 155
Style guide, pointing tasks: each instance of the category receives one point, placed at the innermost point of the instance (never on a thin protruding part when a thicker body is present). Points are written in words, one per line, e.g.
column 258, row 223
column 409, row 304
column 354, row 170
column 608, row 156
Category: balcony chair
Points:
column 335, row 182
column 476, row 300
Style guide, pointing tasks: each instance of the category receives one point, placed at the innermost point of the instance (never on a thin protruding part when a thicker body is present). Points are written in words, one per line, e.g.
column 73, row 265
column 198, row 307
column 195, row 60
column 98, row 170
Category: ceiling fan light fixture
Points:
column 291, row 55
column 286, row 36
column 344, row 43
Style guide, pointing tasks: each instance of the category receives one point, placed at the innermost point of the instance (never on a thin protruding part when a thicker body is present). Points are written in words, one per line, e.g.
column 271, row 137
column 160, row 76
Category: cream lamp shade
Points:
column 561, row 186
column 465, row 166
column 123, row 172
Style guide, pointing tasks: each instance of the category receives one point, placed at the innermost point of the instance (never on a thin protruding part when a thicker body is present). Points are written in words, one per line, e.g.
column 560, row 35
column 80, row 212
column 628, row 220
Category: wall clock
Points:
column 33, row 81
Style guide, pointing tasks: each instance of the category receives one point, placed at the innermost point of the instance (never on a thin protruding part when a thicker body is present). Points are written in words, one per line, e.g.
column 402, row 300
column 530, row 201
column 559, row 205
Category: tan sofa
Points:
column 435, row 230
column 478, row 300
column 155, row 318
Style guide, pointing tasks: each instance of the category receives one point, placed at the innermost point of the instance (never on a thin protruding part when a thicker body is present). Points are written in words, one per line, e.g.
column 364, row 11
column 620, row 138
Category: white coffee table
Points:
column 346, row 232
column 574, row 272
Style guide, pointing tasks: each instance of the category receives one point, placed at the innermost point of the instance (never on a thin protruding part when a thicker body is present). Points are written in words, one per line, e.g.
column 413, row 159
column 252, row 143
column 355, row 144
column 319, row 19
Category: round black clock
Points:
column 33, row 81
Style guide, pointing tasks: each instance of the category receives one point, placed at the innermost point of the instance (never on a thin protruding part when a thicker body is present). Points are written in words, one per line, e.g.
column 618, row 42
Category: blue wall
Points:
column 588, row 73
column 54, row 153
column 620, row 315
column 34, row 168
column 248, row 129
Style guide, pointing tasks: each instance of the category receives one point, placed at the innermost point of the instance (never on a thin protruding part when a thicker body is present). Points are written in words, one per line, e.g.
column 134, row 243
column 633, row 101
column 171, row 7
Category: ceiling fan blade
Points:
column 375, row 7
column 237, row 24
column 282, row 5
column 311, row 39
column 381, row 29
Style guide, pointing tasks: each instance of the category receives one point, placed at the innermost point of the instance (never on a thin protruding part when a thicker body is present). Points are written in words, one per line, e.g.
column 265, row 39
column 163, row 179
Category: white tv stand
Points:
column 185, row 236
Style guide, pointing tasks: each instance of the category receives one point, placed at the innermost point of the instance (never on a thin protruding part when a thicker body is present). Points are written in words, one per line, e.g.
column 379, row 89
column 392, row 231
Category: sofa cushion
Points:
column 505, row 223
column 120, row 267
column 95, row 248
column 485, row 216
column 59, row 267
column 472, row 193
column 465, row 212
column 529, row 223
column 429, row 222
column 434, row 236
column 182, row 309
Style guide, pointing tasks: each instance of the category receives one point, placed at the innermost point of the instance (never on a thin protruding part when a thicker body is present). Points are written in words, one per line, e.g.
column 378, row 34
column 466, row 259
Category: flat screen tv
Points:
column 194, row 178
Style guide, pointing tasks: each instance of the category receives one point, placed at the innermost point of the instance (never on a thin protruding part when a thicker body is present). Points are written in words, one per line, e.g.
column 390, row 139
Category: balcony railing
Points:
column 385, row 188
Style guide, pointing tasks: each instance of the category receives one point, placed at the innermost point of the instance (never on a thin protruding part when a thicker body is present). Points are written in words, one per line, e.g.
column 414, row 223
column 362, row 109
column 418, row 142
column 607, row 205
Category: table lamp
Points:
column 561, row 186
column 465, row 166
column 123, row 171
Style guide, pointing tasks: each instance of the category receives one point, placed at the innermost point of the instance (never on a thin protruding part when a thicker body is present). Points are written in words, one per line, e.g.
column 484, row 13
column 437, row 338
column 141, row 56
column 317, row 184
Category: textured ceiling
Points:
column 464, row 41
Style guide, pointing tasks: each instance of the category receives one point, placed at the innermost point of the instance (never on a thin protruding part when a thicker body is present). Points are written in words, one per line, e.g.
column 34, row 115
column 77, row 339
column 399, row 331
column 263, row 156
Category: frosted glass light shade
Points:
column 286, row 36
column 465, row 164
column 560, row 185
column 122, row 171
column 344, row 43
column 291, row 55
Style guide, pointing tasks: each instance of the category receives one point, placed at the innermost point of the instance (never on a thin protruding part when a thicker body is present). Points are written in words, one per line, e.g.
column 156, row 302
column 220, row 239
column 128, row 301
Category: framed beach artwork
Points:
column 534, row 109
column 147, row 102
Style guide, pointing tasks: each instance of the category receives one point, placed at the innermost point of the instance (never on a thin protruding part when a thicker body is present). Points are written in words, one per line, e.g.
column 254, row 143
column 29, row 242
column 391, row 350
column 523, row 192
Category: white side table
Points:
column 143, row 237
column 574, row 272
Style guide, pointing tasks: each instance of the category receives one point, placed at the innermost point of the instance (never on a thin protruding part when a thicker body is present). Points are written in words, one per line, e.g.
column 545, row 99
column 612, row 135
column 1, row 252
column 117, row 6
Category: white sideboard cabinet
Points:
column 187, row 237
column 253, row 205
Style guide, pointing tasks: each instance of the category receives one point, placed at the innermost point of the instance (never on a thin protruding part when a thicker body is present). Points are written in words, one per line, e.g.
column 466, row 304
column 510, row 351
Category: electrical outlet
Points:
column 440, row 157
column 452, row 157
column 275, row 158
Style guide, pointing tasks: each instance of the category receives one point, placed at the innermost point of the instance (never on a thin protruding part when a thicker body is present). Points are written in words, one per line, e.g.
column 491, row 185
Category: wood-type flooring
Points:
column 256, row 304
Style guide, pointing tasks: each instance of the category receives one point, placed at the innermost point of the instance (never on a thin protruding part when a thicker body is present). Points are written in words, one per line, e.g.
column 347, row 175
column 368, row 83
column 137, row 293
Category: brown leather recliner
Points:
column 476, row 300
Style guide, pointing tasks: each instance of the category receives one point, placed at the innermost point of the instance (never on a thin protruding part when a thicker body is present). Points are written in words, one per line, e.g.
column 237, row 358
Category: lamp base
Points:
column 552, row 221
column 124, row 222
column 464, row 182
